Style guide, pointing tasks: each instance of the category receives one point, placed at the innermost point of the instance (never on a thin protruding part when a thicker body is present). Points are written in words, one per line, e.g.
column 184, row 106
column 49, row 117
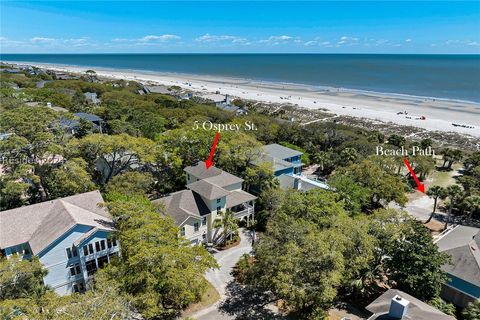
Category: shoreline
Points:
column 369, row 105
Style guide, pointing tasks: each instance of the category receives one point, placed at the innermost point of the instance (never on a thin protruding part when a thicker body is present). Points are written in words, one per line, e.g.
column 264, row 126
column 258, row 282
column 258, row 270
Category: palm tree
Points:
column 454, row 194
column 435, row 192
column 472, row 311
column 348, row 155
column 456, row 156
column 472, row 205
column 228, row 223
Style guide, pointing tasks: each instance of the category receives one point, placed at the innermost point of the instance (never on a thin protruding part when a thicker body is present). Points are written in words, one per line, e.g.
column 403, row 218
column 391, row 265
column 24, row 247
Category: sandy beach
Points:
column 424, row 112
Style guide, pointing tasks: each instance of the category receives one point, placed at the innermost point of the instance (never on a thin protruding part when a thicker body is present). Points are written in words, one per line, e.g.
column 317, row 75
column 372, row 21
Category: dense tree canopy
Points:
column 160, row 270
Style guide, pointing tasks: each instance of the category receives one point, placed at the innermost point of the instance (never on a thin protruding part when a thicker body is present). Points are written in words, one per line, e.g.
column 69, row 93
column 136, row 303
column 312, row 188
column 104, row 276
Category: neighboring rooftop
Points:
column 299, row 182
column 462, row 243
column 415, row 309
column 42, row 223
column 280, row 152
column 157, row 89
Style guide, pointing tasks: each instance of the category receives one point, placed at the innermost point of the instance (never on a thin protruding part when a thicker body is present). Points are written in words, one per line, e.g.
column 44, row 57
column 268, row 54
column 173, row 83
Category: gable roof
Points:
column 417, row 309
column 463, row 245
column 42, row 223
column 207, row 189
column 238, row 197
column 224, row 179
column 200, row 170
column 183, row 204
column 213, row 175
column 280, row 152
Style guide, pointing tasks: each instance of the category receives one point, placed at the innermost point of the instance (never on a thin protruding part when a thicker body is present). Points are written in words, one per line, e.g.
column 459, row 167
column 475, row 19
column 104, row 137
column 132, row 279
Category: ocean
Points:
column 439, row 76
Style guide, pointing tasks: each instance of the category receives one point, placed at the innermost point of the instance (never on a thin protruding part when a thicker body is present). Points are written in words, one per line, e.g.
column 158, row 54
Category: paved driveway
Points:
column 236, row 301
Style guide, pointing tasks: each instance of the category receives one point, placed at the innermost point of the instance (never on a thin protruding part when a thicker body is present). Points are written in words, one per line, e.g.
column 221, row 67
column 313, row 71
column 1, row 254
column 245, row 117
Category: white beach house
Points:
column 208, row 193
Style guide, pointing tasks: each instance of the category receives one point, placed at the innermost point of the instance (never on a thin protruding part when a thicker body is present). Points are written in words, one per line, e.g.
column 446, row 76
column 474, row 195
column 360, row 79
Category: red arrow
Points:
column 420, row 186
column 209, row 161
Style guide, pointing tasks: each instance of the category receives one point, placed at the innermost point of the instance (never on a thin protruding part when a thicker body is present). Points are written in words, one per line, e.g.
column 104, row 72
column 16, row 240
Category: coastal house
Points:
column 398, row 305
column 156, row 89
column 65, row 76
column 287, row 167
column 462, row 243
column 91, row 97
column 224, row 102
column 209, row 192
column 69, row 236
column 71, row 126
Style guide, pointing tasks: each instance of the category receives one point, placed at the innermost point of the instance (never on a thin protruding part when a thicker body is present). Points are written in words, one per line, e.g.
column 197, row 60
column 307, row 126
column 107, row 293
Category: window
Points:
column 109, row 243
column 182, row 231
column 102, row 244
column 102, row 261
column 196, row 226
column 85, row 250
column 90, row 248
column 75, row 269
column 188, row 176
column 97, row 246
column 219, row 209
column 75, row 288
column 72, row 252
column 91, row 267
column 219, row 200
column 204, row 221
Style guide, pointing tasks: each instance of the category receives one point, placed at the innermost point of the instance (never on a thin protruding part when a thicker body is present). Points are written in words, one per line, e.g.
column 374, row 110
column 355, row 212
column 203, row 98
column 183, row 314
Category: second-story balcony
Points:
column 246, row 211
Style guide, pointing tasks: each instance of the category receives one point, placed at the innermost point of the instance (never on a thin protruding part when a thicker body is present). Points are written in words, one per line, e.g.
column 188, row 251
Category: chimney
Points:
column 398, row 307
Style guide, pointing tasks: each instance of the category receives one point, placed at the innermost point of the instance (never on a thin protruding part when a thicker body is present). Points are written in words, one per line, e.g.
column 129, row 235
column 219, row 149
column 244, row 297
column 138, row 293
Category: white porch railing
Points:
column 246, row 212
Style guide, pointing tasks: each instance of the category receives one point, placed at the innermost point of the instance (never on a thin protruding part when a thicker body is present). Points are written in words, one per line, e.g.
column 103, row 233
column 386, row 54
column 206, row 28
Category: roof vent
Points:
column 398, row 307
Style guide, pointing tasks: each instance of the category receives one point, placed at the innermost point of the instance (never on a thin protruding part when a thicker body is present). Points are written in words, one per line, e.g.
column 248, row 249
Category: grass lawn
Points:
column 210, row 297
column 444, row 178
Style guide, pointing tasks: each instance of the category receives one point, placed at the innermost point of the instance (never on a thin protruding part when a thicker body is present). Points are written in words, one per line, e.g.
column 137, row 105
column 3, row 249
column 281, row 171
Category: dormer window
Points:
column 219, row 200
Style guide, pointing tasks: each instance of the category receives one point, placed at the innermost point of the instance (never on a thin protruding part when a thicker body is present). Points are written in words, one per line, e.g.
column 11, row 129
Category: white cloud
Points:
column 163, row 37
column 408, row 40
column 344, row 40
column 121, row 40
column 42, row 40
column 460, row 43
column 209, row 38
column 276, row 40
column 317, row 42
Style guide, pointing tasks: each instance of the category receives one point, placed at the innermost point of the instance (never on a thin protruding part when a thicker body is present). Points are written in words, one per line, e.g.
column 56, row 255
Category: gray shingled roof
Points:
column 280, row 152
column 238, row 197
column 417, row 310
column 41, row 224
column 224, row 179
column 207, row 189
column 182, row 205
column 200, row 171
column 463, row 246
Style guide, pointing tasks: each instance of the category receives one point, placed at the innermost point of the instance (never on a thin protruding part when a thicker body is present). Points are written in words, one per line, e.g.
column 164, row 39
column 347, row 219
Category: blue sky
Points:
column 240, row 26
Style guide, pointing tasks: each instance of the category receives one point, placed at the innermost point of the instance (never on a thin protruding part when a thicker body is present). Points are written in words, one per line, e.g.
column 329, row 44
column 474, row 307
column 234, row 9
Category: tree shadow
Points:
column 247, row 303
